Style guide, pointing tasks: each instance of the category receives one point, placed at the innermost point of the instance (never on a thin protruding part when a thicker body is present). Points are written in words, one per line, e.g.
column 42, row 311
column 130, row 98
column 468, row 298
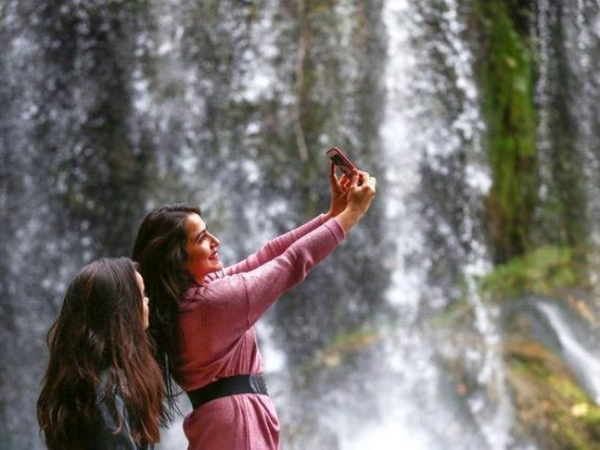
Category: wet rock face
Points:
column 548, row 348
column 479, row 118
column 552, row 409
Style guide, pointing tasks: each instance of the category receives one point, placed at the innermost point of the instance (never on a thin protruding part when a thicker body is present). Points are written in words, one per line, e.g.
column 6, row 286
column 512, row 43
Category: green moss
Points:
column 544, row 271
column 550, row 405
column 506, row 79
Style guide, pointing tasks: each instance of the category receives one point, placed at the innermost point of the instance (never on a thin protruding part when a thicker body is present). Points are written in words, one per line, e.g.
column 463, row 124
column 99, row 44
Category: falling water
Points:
column 210, row 100
column 410, row 145
column 582, row 23
column 568, row 38
column 584, row 363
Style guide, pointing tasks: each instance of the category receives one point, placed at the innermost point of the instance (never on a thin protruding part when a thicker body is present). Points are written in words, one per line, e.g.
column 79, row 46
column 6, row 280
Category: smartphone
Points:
column 340, row 159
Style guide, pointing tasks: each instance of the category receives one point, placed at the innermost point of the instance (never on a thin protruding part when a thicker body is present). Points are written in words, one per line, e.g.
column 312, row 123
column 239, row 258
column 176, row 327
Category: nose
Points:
column 214, row 240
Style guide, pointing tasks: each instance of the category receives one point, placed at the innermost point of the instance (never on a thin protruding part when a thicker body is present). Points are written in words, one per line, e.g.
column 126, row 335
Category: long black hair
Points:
column 159, row 249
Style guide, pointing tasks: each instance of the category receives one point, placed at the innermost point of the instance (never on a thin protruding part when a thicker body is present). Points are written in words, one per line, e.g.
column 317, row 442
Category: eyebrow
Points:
column 199, row 235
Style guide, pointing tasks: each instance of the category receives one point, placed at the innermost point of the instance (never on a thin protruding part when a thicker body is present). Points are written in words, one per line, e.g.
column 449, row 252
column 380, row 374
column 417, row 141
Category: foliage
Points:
column 543, row 271
column 506, row 76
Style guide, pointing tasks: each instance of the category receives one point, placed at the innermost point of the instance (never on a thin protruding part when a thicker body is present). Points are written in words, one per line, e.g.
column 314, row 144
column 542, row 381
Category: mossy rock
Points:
column 507, row 84
column 550, row 406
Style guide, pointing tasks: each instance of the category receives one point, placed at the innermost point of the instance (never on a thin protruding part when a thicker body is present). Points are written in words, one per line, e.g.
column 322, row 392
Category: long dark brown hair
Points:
column 160, row 251
column 100, row 332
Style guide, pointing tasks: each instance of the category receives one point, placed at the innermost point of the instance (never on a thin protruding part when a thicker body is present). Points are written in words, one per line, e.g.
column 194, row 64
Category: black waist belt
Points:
column 237, row 384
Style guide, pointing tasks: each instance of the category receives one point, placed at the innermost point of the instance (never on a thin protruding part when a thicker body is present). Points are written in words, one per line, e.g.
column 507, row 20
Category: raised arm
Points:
column 274, row 247
column 232, row 304
column 339, row 189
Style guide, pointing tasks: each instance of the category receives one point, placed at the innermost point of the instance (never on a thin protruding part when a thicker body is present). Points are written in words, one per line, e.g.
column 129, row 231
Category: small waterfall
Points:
column 584, row 363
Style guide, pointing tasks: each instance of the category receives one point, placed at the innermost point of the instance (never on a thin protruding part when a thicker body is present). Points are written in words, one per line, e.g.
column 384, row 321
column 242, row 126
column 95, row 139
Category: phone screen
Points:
column 341, row 160
column 338, row 161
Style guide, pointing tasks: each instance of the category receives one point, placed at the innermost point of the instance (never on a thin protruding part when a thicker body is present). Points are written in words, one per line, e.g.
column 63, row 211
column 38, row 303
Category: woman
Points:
column 103, row 389
column 202, row 315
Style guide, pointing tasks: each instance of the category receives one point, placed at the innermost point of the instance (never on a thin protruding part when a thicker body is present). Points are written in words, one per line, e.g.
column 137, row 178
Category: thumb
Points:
column 354, row 179
column 332, row 176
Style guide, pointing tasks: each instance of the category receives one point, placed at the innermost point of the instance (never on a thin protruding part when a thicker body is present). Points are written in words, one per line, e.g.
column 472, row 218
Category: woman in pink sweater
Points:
column 202, row 315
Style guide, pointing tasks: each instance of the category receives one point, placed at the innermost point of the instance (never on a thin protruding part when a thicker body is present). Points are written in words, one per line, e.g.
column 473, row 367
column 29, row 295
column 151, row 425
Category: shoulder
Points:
column 216, row 289
column 112, row 422
column 109, row 403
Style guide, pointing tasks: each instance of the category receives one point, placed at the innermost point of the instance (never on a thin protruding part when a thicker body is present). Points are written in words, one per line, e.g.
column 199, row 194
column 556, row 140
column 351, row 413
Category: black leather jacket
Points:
column 106, row 437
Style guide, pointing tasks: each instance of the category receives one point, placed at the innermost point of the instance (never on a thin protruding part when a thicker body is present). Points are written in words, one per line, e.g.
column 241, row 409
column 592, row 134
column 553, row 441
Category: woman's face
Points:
column 145, row 310
column 201, row 249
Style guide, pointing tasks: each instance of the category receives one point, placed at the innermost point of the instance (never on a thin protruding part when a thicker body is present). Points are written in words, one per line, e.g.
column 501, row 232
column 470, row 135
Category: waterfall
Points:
column 417, row 136
column 567, row 40
column 111, row 108
column 582, row 23
column 584, row 363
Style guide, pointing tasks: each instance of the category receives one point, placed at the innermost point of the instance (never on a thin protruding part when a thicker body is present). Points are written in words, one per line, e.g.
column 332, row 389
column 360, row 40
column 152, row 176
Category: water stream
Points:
column 584, row 363
column 224, row 104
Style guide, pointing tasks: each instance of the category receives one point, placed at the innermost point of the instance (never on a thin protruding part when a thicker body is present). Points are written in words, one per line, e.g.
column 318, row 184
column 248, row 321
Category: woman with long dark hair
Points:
column 202, row 315
column 103, row 388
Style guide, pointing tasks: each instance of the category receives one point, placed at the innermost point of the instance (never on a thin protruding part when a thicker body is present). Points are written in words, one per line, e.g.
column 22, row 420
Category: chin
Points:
column 216, row 268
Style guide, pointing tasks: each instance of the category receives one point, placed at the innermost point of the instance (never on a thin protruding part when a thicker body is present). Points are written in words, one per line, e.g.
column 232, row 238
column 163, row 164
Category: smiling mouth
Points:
column 214, row 256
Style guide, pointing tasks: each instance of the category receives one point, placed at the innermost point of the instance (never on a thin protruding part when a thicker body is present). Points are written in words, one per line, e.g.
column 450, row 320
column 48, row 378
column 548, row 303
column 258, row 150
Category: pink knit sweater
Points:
column 217, row 338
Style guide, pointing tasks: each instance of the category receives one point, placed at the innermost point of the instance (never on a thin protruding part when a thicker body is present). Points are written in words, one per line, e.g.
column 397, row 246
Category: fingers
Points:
column 332, row 176
column 367, row 182
column 354, row 179
column 364, row 178
column 358, row 178
column 344, row 182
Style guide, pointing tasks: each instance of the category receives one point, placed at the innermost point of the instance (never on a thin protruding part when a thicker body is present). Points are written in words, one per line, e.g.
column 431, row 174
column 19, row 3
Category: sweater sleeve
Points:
column 231, row 304
column 272, row 249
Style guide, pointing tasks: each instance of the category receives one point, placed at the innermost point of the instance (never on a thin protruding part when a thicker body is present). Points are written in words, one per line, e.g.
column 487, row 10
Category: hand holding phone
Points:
column 352, row 195
column 360, row 194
